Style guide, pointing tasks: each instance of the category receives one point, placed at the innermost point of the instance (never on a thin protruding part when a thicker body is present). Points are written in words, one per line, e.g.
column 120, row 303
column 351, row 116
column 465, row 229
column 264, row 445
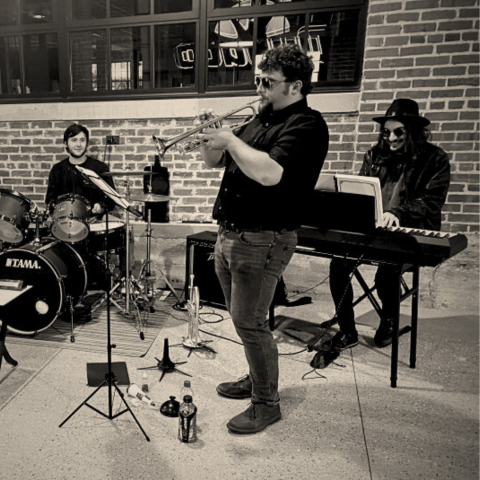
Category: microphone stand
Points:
column 110, row 379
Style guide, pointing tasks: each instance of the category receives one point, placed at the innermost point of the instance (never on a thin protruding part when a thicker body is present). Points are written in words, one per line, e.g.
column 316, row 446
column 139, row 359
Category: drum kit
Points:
column 43, row 267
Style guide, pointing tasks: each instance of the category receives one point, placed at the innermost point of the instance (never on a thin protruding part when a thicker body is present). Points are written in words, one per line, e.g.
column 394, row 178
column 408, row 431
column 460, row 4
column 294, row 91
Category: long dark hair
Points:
column 417, row 137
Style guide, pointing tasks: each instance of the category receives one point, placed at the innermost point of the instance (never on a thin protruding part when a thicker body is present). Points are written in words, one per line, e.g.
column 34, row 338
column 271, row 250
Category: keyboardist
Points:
column 414, row 176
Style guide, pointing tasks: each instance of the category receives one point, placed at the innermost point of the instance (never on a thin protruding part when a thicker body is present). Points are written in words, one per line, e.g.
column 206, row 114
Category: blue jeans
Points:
column 249, row 265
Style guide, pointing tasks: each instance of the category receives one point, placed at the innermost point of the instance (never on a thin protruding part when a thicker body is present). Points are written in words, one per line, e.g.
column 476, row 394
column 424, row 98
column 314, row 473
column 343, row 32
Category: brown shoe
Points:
column 242, row 388
column 255, row 418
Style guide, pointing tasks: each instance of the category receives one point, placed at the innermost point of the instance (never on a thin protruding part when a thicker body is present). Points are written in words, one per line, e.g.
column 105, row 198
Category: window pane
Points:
column 89, row 61
column 249, row 3
column 130, row 56
column 10, row 73
column 174, row 56
column 172, row 6
column 334, row 38
column 36, row 11
column 8, row 12
column 89, row 9
column 230, row 45
column 127, row 8
column 234, row 3
column 331, row 41
column 41, row 63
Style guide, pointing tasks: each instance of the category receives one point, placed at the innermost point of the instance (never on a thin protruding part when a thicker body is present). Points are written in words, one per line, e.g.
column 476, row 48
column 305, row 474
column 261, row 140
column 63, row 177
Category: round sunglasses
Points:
column 398, row 132
column 266, row 83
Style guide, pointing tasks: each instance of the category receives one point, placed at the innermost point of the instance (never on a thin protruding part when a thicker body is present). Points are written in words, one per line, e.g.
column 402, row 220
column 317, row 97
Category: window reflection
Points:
column 230, row 44
column 89, row 9
column 40, row 54
column 36, row 11
column 338, row 44
column 130, row 58
column 89, row 63
column 172, row 6
column 10, row 71
column 8, row 12
column 174, row 56
column 126, row 8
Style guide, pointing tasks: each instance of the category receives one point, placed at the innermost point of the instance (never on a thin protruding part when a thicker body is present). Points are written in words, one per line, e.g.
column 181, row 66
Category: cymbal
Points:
column 151, row 197
column 127, row 173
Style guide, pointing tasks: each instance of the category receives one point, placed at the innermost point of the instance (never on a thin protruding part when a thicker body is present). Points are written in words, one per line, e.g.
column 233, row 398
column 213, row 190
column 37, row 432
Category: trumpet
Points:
column 162, row 145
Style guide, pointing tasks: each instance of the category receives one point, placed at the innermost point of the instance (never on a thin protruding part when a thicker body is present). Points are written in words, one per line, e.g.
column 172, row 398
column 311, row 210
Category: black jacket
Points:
column 427, row 179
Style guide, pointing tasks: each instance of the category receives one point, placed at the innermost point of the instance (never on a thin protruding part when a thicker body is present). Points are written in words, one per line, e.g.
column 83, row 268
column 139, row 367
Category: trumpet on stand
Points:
column 193, row 340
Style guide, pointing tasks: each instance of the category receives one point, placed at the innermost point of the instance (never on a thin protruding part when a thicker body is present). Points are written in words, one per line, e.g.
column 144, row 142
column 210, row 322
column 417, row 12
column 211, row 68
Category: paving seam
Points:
column 30, row 379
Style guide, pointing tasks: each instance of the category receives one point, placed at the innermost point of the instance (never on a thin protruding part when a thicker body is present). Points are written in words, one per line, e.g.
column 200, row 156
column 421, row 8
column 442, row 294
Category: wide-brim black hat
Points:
column 404, row 110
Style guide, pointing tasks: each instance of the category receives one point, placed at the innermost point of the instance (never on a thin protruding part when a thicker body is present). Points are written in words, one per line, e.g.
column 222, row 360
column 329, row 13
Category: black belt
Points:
column 233, row 227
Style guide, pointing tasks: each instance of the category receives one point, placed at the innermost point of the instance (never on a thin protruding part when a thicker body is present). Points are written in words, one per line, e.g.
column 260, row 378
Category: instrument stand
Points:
column 166, row 365
column 193, row 340
column 110, row 379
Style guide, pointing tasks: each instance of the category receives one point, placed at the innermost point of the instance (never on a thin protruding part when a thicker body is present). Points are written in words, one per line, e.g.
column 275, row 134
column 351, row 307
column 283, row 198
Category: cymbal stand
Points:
column 125, row 284
column 145, row 275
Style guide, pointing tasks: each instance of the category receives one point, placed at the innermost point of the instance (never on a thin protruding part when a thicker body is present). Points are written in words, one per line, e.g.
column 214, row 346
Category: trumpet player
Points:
column 271, row 164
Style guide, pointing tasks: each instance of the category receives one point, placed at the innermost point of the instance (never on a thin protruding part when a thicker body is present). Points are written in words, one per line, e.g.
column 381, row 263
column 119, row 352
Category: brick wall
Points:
column 428, row 50
column 422, row 49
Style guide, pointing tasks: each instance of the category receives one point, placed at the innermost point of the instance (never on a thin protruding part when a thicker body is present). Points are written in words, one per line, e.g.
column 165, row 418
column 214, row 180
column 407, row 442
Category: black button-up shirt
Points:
column 295, row 137
column 64, row 178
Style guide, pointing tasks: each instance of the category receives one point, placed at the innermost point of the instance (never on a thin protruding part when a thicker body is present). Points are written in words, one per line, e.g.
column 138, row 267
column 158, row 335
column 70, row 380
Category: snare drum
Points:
column 70, row 214
column 57, row 277
column 98, row 241
column 14, row 209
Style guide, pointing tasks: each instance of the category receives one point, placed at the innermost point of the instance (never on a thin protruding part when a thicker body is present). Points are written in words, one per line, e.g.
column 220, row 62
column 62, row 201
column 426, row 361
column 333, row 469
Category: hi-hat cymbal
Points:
column 151, row 197
column 127, row 173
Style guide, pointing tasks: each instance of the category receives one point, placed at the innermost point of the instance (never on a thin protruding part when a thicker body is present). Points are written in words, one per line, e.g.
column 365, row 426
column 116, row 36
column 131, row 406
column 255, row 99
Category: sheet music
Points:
column 104, row 187
column 363, row 186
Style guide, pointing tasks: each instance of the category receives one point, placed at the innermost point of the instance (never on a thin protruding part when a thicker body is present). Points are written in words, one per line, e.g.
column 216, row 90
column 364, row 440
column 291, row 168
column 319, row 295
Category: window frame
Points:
column 202, row 13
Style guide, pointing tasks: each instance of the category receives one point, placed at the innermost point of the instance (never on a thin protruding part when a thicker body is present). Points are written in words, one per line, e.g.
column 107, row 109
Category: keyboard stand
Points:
column 413, row 292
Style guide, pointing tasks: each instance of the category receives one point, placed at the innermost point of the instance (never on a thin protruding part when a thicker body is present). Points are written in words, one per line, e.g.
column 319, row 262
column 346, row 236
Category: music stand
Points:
column 110, row 379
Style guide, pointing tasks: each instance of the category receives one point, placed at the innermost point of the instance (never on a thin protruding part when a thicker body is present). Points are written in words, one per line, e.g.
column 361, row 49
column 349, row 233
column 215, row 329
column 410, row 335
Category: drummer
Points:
column 64, row 178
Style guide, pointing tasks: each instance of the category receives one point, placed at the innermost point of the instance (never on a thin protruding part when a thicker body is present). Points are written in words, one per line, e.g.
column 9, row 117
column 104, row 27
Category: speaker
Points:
column 200, row 263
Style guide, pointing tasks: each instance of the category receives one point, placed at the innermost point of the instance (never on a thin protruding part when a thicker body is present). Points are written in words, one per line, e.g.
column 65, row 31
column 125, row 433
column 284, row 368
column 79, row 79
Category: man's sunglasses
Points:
column 266, row 83
column 398, row 132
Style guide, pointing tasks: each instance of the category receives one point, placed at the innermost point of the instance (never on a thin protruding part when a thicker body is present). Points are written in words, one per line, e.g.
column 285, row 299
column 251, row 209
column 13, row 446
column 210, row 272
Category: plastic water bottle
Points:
column 187, row 427
column 186, row 389
column 145, row 382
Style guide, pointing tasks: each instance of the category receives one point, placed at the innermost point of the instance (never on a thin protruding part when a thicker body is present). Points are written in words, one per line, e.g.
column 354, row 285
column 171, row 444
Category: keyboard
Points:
column 395, row 245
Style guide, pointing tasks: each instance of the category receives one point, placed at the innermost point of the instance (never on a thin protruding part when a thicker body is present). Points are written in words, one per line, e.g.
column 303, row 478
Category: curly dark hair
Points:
column 293, row 62
column 73, row 131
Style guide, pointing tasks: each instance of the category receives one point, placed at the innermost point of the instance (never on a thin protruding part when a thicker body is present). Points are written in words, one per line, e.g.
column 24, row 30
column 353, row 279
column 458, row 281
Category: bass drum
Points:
column 57, row 278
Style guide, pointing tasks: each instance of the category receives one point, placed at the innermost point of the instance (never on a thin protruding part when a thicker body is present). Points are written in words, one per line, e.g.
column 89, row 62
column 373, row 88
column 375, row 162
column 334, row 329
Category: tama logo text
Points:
column 22, row 263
